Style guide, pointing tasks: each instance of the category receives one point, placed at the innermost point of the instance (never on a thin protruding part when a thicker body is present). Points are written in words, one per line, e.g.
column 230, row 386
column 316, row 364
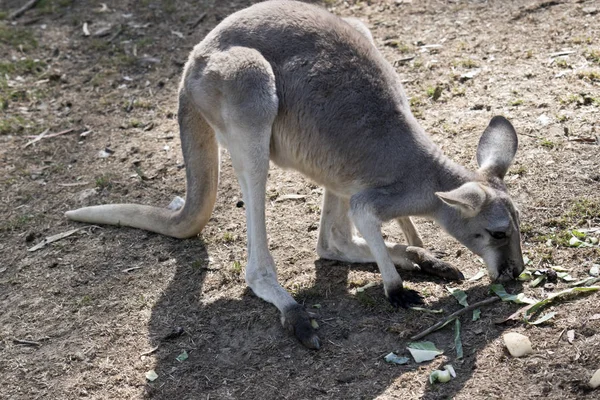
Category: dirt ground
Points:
column 96, row 303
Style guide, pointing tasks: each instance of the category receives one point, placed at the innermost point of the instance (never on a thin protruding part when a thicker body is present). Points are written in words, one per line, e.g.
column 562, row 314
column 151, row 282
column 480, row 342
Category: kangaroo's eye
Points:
column 497, row 235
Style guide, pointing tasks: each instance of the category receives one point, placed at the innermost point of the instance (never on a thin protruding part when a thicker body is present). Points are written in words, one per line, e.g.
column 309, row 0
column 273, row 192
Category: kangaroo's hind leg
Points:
column 338, row 240
column 242, row 103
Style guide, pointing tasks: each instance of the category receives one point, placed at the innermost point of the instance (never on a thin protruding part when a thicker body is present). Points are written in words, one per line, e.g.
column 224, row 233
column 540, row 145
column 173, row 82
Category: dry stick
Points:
column 26, row 342
column 30, row 4
column 454, row 315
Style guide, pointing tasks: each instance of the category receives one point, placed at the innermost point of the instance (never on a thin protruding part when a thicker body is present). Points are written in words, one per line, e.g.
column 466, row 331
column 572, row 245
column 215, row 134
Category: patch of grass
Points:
column 582, row 40
column 518, row 170
column 135, row 123
column 85, row 300
column 3, row 15
column 228, row 237
column 398, row 45
column 52, row 6
column 562, row 63
column 103, row 182
column 143, row 104
column 16, row 223
column 96, row 44
column 561, row 117
column 589, row 75
column 466, row 63
column 526, row 228
column 547, row 143
column 434, row 92
column 169, row 6
column 236, row 267
column 585, row 209
column 592, row 55
column 17, row 37
column 416, row 101
column 580, row 100
column 21, row 67
column 12, row 124
column 449, row 129
column 517, row 102
column 581, row 211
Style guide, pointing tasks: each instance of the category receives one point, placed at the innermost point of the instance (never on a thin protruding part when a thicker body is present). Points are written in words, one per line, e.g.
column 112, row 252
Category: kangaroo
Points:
column 289, row 82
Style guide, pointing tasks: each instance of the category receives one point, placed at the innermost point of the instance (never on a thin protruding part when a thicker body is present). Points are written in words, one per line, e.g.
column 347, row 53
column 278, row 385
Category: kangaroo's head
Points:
column 481, row 214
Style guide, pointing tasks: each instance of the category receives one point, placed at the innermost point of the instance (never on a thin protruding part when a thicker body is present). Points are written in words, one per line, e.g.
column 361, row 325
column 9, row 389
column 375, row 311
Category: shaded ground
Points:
column 98, row 300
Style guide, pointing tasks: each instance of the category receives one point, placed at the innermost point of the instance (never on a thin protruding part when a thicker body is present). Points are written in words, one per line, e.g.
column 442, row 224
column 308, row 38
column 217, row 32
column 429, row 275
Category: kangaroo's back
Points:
column 337, row 95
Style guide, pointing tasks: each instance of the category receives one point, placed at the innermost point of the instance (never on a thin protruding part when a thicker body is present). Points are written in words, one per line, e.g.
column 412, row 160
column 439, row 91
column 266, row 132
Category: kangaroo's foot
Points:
column 431, row 265
column 297, row 320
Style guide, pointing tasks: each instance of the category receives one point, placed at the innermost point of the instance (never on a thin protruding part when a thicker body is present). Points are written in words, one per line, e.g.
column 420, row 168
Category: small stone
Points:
column 86, row 194
column 595, row 381
column 518, row 345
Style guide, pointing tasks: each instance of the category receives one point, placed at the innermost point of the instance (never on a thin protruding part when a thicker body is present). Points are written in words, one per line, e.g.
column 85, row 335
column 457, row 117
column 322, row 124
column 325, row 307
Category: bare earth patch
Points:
column 96, row 303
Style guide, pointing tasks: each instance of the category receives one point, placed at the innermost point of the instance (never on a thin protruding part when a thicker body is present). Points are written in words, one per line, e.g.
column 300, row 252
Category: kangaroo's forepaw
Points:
column 402, row 297
column 296, row 320
column 433, row 266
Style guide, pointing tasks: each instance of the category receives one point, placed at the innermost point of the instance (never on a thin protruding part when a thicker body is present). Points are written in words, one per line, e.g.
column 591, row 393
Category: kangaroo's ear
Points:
column 468, row 198
column 497, row 147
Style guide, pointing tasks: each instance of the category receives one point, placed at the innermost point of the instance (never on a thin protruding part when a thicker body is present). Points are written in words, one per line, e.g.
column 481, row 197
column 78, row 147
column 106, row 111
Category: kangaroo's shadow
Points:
column 237, row 349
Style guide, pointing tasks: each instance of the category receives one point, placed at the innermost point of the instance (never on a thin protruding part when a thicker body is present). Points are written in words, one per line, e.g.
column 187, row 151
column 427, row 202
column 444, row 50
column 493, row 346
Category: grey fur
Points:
column 290, row 82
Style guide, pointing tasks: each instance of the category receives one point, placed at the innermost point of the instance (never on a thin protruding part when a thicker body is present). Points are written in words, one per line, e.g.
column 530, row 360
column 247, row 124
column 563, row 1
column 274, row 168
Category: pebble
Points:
column 595, row 381
column 518, row 345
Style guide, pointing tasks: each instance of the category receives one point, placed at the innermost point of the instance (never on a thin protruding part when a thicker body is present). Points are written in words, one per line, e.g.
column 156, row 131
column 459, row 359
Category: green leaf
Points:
column 520, row 298
column 368, row 285
column 457, row 341
column 394, row 359
column 476, row 314
column 537, row 281
column 525, row 276
column 477, row 276
column 439, row 376
column 314, row 323
column 585, row 282
column 151, row 375
column 565, row 276
column 182, row 357
column 427, row 310
column 540, row 304
column 578, row 234
column 574, row 242
column 423, row 351
column 459, row 295
column 542, row 319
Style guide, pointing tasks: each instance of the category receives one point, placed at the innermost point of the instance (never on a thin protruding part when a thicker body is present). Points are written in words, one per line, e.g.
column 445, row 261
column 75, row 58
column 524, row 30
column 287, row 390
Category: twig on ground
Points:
column 152, row 350
column 26, row 342
column 450, row 317
column 73, row 184
column 44, row 135
column 57, row 237
column 131, row 269
column 197, row 21
column 27, row 6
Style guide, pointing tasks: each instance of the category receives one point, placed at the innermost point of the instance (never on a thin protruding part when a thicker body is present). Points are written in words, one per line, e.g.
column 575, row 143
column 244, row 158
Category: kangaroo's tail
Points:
column 201, row 157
